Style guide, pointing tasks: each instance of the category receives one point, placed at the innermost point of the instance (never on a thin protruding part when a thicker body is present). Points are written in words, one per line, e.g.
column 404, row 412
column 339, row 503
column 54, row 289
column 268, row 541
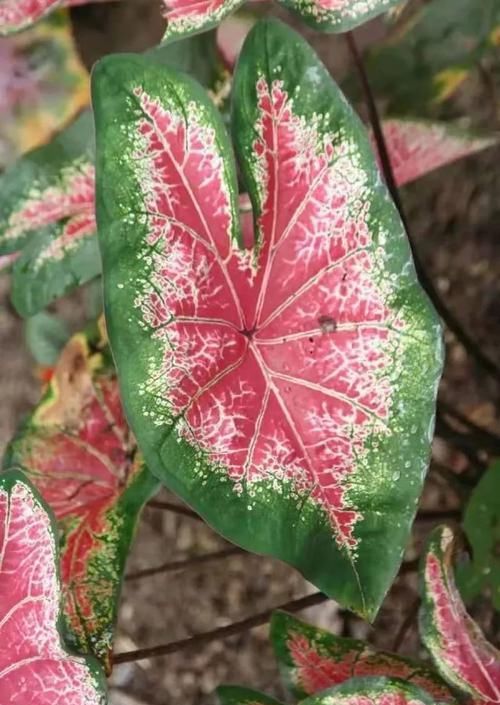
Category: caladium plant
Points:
column 16, row 15
column 43, row 86
column 461, row 653
column 279, row 389
column 186, row 17
column 78, row 451
column 47, row 211
column 313, row 659
column 35, row 666
column 326, row 667
column 430, row 56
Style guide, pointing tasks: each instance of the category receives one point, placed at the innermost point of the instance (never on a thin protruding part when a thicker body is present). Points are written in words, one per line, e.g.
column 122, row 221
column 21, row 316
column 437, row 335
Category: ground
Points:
column 453, row 217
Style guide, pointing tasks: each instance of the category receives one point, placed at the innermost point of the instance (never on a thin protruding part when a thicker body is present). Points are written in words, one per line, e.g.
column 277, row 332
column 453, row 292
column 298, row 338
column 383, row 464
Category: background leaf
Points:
column 432, row 54
column 457, row 645
column 78, row 451
column 46, row 335
column 376, row 691
column 482, row 526
column 43, row 85
column 235, row 695
column 34, row 664
column 312, row 659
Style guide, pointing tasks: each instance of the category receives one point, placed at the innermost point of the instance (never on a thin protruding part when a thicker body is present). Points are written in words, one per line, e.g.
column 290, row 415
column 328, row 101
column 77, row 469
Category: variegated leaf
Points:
column 457, row 645
column 50, row 185
column 186, row 17
column 312, row 659
column 55, row 261
column 278, row 390
column 16, row 15
column 231, row 34
column 372, row 691
column 235, row 695
column 417, row 147
column 43, row 85
column 34, row 664
column 78, row 451
column 429, row 58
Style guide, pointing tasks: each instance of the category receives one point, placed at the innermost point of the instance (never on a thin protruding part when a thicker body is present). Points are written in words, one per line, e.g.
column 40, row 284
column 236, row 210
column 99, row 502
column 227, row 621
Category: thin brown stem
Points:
column 406, row 624
column 185, row 564
column 174, row 508
column 221, row 632
column 448, row 317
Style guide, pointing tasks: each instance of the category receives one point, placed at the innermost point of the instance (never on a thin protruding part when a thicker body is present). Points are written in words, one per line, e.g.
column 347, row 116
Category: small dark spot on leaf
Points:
column 327, row 324
column 311, row 340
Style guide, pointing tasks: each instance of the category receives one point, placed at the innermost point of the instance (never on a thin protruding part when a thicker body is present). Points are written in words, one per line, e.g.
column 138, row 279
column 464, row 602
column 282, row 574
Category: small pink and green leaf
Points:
column 43, row 84
column 312, row 659
column 417, row 147
column 372, row 691
column 54, row 261
column 34, row 664
column 459, row 649
column 235, row 695
column 51, row 185
column 78, row 451
column 220, row 350
column 17, row 15
column 186, row 17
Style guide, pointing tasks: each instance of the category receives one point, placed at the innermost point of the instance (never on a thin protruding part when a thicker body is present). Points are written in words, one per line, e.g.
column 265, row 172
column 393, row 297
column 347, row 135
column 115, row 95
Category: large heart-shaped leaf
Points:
column 235, row 695
column 278, row 390
column 78, row 451
column 43, row 85
column 312, row 659
column 456, row 643
column 372, row 691
column 34, row 665
column 427, row 59
column 482, row 526
column 186, row 17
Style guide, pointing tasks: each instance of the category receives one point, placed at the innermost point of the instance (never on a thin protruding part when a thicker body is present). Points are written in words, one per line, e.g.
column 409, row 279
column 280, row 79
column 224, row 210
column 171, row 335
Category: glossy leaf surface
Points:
column 235, row 695
column 417, row 147
column 278, row 390
column 312, row 659
column 482, row 526
column 34, row 665
column 456, row 643
column 186, row 17
column 426, row 61
column 372, row 691
column 79, row 453
column 43, row 85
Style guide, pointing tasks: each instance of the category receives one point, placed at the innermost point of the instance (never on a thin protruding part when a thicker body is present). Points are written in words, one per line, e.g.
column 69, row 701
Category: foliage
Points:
column 78, row 451
column 482, row 526
column 35, row 666
column 43, row 85
column 217, row 364
column 186, row 18
column 277, row 356
column 331, row 669
column 433, row 53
